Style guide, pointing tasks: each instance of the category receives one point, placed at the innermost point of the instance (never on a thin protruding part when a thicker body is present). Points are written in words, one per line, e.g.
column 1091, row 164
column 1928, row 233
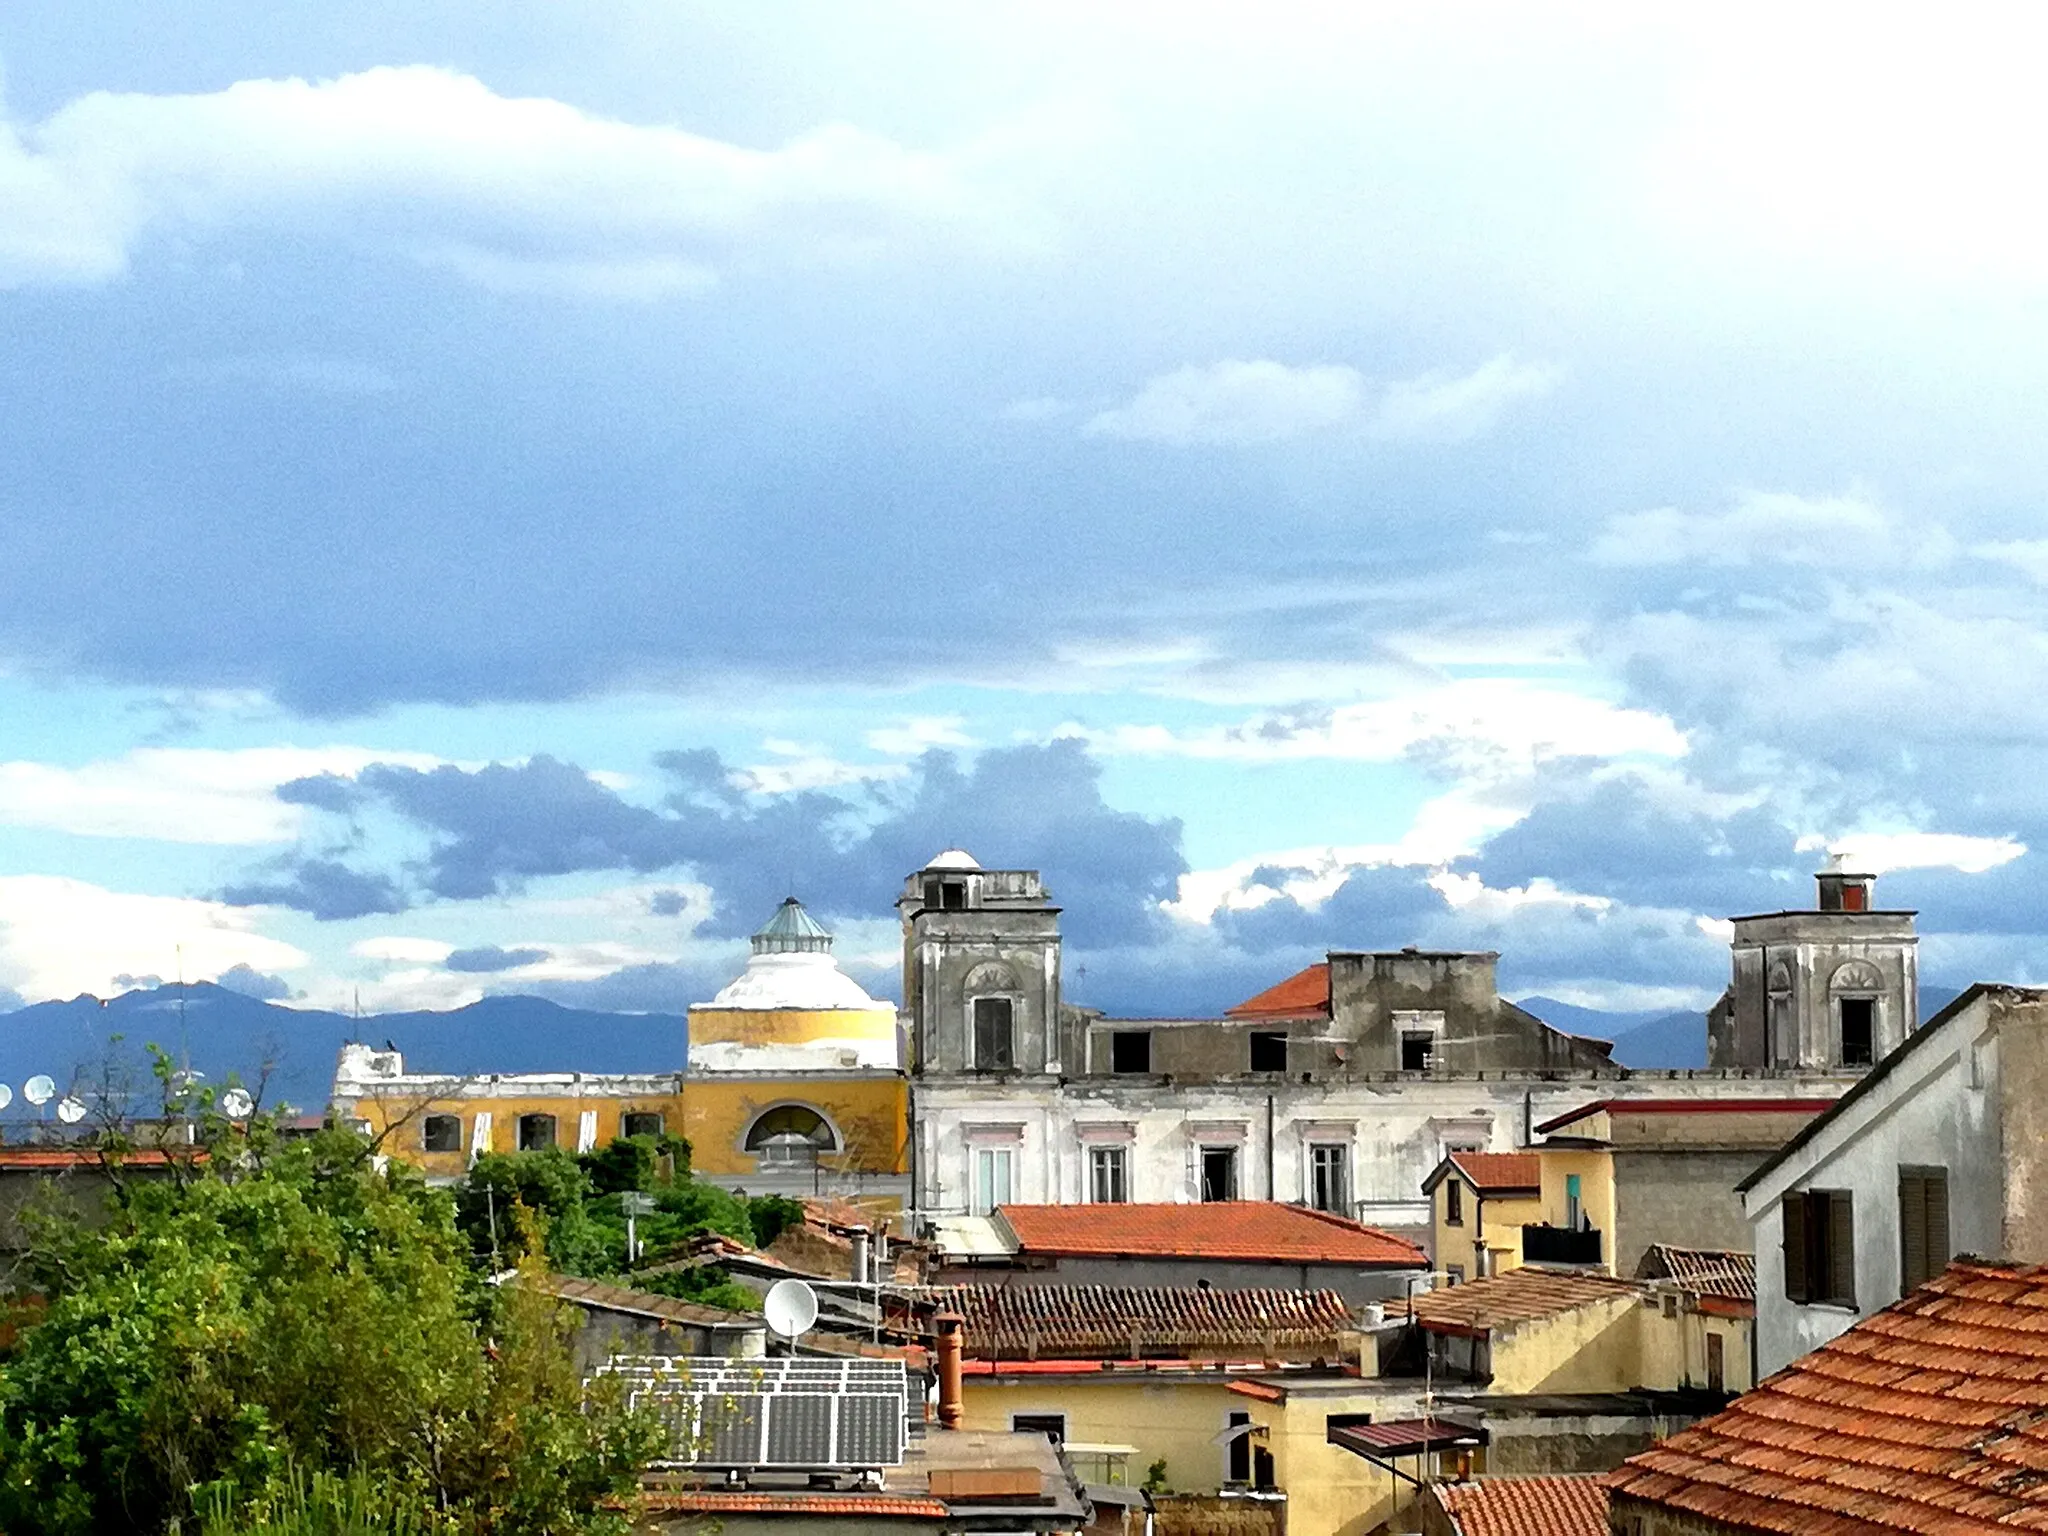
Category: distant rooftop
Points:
column 1255, row 1231
column 1304, row 995
column 1525, row 1506
column 1520, row 1296
column 1124, row 1322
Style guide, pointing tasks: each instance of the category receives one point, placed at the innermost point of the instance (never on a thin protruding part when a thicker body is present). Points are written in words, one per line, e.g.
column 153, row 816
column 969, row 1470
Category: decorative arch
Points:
column 991, row 976
column 1856, row 976
column 791, row 1131
column 1781, row 977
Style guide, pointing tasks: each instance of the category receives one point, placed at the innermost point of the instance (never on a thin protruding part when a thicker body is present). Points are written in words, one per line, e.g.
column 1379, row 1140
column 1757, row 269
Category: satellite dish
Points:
column 40, row 1089
column 6, row 1095
column 790, row 1307
column 236, row 1104
column 70, row 1110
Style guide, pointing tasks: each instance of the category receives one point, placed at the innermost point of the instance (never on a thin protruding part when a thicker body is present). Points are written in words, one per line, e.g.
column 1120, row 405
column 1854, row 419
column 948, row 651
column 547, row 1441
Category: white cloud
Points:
column 179, row 794
column 1451, row 407
column 918, row 734
column 2027, row 556
column 1842, row 532
column 60, row 937
column 1474, row 723
column 1878, row 853
column 1237, row 402
column 521, row 194
column 807, row 766
column 402, row 949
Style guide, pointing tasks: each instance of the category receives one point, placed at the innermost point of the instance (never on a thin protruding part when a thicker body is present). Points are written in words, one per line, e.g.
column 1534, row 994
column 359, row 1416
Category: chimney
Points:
column 951, row 1406
column 857, row 1268
column 1841, row 891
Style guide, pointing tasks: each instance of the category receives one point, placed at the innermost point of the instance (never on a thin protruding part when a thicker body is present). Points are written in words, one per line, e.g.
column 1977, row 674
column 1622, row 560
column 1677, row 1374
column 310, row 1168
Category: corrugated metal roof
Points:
column 1304, row 995
column 1525, row 1506
column 1256, row 1231
column 1091, row 1322
column 1931, row 1415
column 791, row 930
column 1405, row 1437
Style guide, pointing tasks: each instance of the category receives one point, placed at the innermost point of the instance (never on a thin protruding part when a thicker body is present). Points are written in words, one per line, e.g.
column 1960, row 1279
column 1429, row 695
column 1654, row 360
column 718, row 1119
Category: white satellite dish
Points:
column 70, row 1110
column 236, row 1104
column 40, row 1089
column 790, row 1307
column 6, row 1095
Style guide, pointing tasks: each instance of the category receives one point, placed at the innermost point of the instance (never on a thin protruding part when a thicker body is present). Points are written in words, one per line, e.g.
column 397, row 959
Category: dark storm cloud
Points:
column 497, row 827
column 324, row 888
column 250, row 982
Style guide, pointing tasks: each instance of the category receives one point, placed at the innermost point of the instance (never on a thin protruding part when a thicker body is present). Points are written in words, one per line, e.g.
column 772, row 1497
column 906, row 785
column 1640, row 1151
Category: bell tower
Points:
column 981, row 969
column 1834, row 989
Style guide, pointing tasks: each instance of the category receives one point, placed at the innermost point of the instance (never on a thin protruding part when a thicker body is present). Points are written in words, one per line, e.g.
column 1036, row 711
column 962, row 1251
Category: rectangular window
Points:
column 1859, row 1031
column 1418, row 1051
column 1329, row 1169
column 1219, row 1173
column 1574, row 1211
column 1130, row 1050
column 1109, row 1172
column 1455, row 1273
column 1923, row 1226
column 1238, row 1464
column 441, row 1133
column 1269, row 1052
column 994, row 1048
column 640, row 1123
column 1820, row 1247
column 536, row 1132
column 992, row 1167
column 953, row 896
column 1454, row 1203
column 1051, row 1425
column 1717, row 1373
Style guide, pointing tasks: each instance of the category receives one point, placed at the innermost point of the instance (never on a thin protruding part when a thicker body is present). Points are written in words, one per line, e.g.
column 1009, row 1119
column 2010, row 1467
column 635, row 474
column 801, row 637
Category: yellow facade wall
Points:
column 1594, row 1348
column 1493, row 1224
column 871, row 1114
column 1330, row 1491
column 1595, row 1170
column 790, row 1026
column 1174, row 1419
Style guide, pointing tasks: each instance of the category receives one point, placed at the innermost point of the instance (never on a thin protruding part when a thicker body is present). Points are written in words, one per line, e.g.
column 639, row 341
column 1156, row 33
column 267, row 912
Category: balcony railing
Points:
column 1560, row 1245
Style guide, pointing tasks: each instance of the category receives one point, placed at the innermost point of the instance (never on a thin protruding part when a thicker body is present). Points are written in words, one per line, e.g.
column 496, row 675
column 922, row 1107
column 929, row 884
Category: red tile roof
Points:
column 1689, row 1107
column 1519, row 1296
column 1304, row 995
column 1252, row 1231
column 793, row 1501
column 600, row 1296
column 1931, row 1415
column 1094, row 1322
column 91, row 1157
column 1496, row 1172
column 1701, row 1271
column 1525, row 1506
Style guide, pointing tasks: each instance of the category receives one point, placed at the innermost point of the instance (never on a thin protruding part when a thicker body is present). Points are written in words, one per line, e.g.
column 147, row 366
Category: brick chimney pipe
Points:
column 952, row 1406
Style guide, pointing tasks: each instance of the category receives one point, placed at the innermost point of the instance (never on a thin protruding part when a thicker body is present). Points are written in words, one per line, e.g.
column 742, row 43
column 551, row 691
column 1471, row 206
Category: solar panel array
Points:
column 815, row 1415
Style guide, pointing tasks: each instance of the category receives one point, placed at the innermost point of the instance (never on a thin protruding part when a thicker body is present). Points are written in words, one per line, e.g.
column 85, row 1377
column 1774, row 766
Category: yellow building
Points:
column 794, row 1084
column 1479, row 1202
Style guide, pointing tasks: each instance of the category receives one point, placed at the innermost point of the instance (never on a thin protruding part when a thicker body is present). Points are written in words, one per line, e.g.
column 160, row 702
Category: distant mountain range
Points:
column 219, row 1031
column 1655, row 1040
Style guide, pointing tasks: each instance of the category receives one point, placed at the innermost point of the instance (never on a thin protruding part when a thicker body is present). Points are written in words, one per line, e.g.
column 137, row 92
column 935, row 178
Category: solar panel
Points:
column 790, row 1413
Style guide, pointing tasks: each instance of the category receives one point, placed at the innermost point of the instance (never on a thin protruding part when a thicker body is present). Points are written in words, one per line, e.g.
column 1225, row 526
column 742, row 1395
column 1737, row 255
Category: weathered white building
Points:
column 1941, row 1150
column 1340, row 1088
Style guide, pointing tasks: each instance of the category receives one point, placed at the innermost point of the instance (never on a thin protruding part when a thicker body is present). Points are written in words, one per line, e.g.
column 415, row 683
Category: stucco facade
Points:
column 1967, row 1097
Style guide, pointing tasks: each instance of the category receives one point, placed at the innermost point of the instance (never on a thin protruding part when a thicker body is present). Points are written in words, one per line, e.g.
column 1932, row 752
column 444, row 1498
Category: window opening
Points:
column 1219, row 1173
column 1108, row 1175
column 1923, row 1226
column 992, row 1167
column 1130, row 1050
column 1330, row 1178
column 952, row 896
column 1051, row 1425
column 1859, row 1033
column 1269, row 1052
column 1239, row 1468
column 640, row 1122
column 1418, row 1051
column 441, row 1133
column 1820, row 1247
column 790, row 1135
column 536, row 1132
column 1454, row 1202
column 994, row 1043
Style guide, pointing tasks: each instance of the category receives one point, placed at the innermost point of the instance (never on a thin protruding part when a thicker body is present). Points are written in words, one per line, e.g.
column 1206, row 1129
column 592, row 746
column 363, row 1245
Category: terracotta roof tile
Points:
column 1493, row 1172
column 1931, row 1415
column 1701, row 1271
column 1091, row 1322
column 1254, row 1231
column 1519, row 1296
column 1525, row 1506
column 1304, row 995
column 793, row 1501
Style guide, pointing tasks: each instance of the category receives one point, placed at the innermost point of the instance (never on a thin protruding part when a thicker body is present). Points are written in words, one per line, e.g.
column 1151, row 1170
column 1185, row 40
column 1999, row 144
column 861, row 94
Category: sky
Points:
column 494, row 496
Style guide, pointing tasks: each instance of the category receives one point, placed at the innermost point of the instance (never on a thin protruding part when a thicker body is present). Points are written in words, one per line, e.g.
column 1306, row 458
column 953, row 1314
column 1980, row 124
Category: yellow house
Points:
column 1479, row 1202
column 794, row 1085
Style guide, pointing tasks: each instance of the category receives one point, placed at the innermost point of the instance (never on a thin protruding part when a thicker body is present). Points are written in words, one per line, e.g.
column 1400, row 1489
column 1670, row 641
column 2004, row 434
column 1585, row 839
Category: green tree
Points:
column 260, row 1311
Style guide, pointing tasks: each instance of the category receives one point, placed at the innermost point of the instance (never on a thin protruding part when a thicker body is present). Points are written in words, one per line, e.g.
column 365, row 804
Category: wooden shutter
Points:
column 1937, row 1222
column 1793, row 1208
column 1912, row 1232
column 1841, row 1277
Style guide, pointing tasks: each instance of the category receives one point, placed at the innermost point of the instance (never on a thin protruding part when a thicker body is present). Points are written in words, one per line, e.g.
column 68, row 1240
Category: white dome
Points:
column 954, row 858
column 803, row 979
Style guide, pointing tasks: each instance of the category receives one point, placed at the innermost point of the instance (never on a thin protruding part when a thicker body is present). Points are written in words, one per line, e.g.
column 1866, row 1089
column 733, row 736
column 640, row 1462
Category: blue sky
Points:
column 533, row 485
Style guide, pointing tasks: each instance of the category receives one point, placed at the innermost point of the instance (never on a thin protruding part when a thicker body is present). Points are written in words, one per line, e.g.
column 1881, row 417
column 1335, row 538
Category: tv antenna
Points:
column 790, row 1307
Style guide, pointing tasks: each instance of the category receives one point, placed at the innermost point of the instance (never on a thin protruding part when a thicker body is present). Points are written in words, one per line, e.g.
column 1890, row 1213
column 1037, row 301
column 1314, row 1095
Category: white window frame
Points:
column 1121, row 1152
column 992, row 1177
column 1342, row 1152
column 973, row 1052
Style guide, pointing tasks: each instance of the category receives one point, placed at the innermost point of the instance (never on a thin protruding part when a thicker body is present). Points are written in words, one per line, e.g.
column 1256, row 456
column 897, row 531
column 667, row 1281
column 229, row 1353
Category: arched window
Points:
column 790, row 1133
column 536, row 1132
column 441, row 1133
